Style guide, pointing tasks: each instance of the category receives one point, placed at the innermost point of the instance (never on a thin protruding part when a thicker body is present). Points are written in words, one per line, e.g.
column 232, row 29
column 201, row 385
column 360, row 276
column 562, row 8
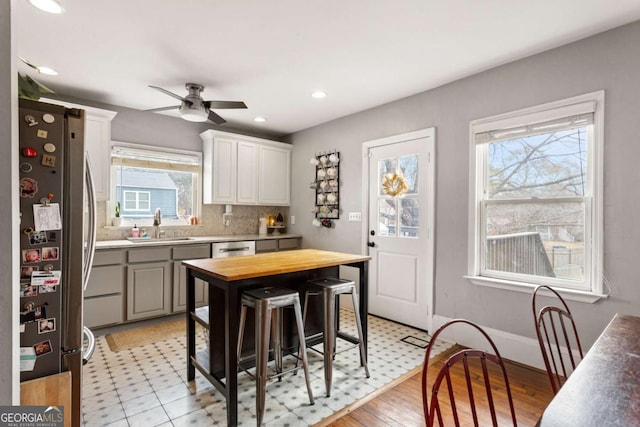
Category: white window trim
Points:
column 594, row 220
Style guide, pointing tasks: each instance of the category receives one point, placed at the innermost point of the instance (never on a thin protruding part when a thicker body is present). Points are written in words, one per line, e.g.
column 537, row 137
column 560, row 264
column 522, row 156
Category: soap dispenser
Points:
column 135, row 231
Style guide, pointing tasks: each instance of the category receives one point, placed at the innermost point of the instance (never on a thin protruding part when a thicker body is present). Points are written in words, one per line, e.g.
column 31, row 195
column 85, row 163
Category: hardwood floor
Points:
column 401, row 403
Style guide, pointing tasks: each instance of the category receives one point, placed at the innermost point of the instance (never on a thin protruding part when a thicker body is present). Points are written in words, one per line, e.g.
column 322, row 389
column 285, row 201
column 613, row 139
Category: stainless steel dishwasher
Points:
column 227, row 249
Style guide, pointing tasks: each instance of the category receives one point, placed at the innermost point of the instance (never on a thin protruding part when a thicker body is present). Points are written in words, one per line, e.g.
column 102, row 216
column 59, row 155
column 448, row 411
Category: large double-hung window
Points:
column 146, row 178
column 536, row 215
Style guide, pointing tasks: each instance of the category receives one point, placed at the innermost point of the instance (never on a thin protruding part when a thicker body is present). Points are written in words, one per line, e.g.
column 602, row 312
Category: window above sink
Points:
column 144, row 178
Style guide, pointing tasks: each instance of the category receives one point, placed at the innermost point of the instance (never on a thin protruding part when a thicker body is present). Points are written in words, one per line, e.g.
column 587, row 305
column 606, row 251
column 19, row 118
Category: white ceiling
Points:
column 273, row 54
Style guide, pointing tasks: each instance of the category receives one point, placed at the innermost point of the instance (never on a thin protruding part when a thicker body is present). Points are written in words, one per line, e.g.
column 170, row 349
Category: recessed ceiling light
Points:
column 260, row 119
column 319, row 94
column 51, row 6
column 42, row 70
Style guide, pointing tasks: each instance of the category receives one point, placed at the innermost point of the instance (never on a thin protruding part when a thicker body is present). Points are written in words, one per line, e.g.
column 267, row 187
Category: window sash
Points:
column 583, row 284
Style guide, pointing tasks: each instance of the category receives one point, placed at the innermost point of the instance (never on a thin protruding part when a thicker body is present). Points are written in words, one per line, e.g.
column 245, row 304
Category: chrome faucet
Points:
column 157, row 219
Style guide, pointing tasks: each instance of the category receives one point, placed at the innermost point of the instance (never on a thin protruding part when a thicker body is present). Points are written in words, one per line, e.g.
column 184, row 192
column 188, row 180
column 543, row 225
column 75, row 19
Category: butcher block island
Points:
column 227, row 278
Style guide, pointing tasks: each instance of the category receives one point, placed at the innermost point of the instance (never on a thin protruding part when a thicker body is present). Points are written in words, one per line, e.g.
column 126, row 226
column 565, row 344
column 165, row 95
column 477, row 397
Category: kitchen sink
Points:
column 161, row 239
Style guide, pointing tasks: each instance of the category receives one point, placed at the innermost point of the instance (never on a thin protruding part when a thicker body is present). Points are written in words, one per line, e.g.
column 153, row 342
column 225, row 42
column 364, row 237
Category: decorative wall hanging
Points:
column 326, row 185
column 394, row 184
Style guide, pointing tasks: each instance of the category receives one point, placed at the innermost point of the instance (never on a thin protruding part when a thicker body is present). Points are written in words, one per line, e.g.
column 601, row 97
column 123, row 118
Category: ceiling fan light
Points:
column 193, row 113
column 51, row 6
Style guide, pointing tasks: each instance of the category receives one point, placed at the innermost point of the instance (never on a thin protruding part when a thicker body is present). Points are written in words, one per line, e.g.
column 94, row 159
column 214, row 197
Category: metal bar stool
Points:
column 267, row 303
column 331, row 288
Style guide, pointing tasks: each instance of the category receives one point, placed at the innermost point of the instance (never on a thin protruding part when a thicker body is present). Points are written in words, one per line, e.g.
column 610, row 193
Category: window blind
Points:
column 568, row 117
column 155, row 159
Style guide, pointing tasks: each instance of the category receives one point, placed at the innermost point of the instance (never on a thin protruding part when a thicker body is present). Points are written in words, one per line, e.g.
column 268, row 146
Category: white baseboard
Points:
column 513, row 347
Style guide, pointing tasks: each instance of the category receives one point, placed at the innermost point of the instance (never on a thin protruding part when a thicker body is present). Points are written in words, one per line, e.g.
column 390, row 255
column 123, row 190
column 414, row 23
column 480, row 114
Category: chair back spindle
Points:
column 557, row 337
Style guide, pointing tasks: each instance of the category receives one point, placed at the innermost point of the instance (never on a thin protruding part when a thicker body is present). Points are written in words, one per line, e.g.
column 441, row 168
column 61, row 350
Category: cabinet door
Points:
column 247, row 183
column 148, row 290
column 274, row 175
column 180, row 288
column 97, row 144
column 224, row 171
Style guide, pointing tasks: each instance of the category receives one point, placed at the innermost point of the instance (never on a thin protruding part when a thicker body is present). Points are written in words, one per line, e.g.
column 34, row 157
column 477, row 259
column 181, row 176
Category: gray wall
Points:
column 9, row 350
column 609, row 61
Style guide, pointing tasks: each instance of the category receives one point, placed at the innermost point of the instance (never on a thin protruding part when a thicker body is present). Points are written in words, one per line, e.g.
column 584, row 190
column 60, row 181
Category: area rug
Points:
column 130, row 338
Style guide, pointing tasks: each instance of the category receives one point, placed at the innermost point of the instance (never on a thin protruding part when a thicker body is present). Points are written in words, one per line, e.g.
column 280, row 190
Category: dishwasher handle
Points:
column 237, row 248
column 228, row 250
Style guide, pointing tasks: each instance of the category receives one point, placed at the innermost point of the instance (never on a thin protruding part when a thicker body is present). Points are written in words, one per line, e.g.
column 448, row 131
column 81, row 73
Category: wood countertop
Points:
column 271, row 263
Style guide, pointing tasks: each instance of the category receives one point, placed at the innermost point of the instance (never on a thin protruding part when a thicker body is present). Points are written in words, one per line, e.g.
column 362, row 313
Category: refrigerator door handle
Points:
column 91, row 243
column 90, row 339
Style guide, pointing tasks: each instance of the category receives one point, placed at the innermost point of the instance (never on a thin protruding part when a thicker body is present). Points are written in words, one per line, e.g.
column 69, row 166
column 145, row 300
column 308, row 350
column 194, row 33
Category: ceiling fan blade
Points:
column 166, row 92
column 154, row 110
column 216, row 118
column 224, row 104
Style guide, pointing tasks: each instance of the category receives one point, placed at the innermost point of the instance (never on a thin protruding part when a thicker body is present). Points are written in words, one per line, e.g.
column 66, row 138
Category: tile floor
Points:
column 146, row 386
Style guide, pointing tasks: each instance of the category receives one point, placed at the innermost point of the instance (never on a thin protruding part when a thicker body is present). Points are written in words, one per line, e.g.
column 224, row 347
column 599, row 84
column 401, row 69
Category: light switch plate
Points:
column 355, row 216
column 293, row 220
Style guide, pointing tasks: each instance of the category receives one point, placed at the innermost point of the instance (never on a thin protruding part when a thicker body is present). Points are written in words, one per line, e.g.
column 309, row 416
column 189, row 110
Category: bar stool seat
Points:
column 329, row 289
column 267, row 303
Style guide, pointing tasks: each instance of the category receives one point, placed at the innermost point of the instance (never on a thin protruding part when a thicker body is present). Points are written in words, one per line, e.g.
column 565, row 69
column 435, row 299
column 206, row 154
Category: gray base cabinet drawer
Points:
column 108, row 257
column 192, row 252
column 151, row 254
column 102, row 311
column 266, row 245
column 105, row 280
column 288, row 244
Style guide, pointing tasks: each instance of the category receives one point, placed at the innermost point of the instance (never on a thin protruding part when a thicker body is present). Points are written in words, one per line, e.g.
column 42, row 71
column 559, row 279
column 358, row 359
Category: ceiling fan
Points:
column 194, row 109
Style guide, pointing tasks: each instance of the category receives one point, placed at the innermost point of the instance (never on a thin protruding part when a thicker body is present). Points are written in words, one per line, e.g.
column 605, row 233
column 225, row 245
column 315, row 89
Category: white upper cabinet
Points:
column 243, row 170
column 97, row 144
column 274, row 178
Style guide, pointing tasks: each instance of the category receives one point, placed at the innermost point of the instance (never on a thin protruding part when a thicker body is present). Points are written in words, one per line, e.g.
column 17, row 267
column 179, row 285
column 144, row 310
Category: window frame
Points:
column 593, row 287
column 164, row 153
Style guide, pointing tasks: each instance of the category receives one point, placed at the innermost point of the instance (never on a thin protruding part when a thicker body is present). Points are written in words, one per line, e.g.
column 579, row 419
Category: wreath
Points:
column 394, row 184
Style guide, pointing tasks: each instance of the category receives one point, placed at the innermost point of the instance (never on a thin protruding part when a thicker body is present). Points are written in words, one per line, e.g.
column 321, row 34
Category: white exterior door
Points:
column 399, row 228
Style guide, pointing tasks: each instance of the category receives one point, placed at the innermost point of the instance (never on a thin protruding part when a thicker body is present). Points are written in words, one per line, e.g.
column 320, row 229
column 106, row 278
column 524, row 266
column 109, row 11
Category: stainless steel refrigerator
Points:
column 57, row 236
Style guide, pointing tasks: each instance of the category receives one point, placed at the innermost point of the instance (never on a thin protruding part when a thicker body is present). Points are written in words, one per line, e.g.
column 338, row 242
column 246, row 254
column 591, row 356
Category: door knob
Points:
column 371, row 244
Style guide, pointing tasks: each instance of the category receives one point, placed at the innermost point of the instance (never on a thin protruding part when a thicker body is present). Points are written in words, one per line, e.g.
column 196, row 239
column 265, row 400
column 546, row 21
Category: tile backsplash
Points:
column 243, row 221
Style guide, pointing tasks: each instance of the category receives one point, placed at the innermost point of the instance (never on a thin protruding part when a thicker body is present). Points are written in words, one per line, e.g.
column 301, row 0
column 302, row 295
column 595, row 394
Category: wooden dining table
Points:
column 227, row 278
column 604, row 390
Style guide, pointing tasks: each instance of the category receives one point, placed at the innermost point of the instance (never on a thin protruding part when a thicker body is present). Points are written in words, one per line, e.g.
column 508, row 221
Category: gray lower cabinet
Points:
column 104, row 296
column 149, row 283
column 139, row 283
column 148, row 290
column 180, row 276
column 273, row 245
column 180, row 288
